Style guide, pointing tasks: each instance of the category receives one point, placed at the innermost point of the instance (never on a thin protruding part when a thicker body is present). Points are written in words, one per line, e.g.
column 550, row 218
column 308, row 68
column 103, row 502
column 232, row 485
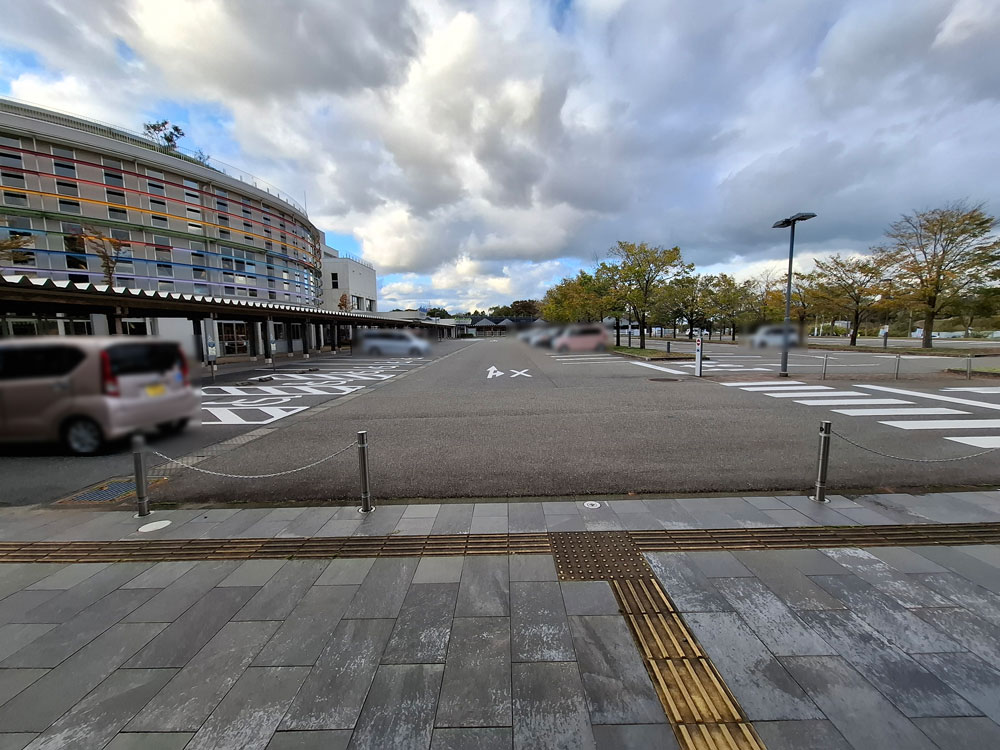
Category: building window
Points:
column 247, row 225
column 17, row 199
column 193, row 197
column 222, row 205
column 69, row 207
column 157, row 205
column 111, row 163
column 165, row 286
column 223, row 219
column 22, row 257
column 201, row 289
column 196, row 228
column 268, row 245
column 370, row 305
column 159, row 239
column 248, row 239
column 230, row 290
column 113, row 178
column 116, row 196
column 357, row 303
column 155, row 188
column 220, row 191
column 9, row 179
column 118, row 214
column 67, row 188
column 154, row 174
column 199, row 273
column 164, row 254
column 10, row 160
column 191, row 184
column 163, row 269
column 66, row 153
column 193, row 213
column 9, row 140
column 246, row 212
column 76, row 262
column 224, row 234
column 65, row 170
column 158, row 221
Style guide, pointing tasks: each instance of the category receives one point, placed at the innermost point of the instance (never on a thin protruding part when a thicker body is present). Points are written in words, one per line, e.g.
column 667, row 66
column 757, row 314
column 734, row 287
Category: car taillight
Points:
column 109, row 381
column 185, row 372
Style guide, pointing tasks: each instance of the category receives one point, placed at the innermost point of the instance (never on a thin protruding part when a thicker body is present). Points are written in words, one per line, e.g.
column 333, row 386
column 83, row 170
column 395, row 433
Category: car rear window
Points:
column 130, row 359
column 38, row 361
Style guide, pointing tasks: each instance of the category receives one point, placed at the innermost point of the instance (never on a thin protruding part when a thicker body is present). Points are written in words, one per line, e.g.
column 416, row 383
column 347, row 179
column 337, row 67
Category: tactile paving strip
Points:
column 597, row 556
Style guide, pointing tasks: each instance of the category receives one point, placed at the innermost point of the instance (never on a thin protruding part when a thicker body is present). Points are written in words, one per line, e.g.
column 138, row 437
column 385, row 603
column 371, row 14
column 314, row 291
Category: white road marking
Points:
column 853, row 401
column 910, row 356
column 981, row 389
column 517, row 373
column 614, row 361
column 914, row 411
column 978, row 442
column 947, row 424
column 576, row 356
column 933, row 396
column 493, row 372
column 828, row 394
column 245, row 414
column 765, row 382
column 661, row 369
column 756, row 388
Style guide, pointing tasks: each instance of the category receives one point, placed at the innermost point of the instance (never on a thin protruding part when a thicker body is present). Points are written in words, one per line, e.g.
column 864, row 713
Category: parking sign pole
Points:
column 139, row 464
column 697, row 357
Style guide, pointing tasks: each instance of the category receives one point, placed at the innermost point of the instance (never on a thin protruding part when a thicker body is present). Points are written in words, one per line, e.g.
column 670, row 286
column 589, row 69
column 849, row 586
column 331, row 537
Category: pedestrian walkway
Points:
column 834, row 647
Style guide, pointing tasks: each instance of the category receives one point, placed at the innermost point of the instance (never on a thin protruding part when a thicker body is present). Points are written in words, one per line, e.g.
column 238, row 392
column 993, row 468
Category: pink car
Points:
column 581, row 338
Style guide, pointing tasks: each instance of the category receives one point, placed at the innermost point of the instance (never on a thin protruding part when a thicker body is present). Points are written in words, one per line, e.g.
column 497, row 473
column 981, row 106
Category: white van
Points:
column 392, row 344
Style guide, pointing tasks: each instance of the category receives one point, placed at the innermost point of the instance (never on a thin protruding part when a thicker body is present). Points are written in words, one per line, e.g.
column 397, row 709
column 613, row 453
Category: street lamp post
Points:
column 790, row 223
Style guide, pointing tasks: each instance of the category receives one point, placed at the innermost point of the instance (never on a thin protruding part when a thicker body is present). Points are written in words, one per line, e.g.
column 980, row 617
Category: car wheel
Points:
column 375, row 350
column 83, row 436
column 564, row 348
column 415, row 352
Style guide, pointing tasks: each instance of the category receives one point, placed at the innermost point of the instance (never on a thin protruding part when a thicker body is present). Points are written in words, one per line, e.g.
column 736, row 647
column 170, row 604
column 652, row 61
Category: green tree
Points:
column 525, row 308
column 729, row 300
column 853, row 285
column 941, row 254
column 642, row 269
column 164, row 133
column 11, row 248
column 438, row 312
column 688, row 295
column 575, row 299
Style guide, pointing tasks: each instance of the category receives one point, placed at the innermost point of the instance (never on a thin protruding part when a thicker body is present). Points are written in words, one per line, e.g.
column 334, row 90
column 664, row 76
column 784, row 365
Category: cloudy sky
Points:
column 476, row 151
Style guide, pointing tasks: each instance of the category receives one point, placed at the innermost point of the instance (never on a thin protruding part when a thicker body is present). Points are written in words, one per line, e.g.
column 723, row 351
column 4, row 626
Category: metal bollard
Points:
column 826, row 359
column 823, row 462
column 668, row 347
column 895, row 374
column 366, row 495
column 139, row 462
column 968, row 367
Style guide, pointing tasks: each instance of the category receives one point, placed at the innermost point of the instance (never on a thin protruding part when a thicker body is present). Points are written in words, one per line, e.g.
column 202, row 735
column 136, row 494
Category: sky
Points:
column 477, row 151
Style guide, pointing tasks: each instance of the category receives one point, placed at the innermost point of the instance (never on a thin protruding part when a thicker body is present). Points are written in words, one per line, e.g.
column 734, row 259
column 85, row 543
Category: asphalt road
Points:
column 496, row 418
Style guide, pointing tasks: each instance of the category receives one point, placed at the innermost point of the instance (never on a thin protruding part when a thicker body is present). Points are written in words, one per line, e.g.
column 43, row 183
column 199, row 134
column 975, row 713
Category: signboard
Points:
column 212, row 349
column 697, row 357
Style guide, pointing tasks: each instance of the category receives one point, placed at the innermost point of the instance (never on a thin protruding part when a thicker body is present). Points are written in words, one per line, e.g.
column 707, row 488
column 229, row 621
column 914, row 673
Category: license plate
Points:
column 156, row 390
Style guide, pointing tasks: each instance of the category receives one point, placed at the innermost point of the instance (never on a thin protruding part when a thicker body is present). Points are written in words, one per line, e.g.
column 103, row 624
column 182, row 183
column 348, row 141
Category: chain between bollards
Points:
column 823, row 462
column 366, row 496
column 141, row 485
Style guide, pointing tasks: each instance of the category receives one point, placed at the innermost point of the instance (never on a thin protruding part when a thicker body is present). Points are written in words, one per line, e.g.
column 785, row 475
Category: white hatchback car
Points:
column 393, row 344
column 774, row 337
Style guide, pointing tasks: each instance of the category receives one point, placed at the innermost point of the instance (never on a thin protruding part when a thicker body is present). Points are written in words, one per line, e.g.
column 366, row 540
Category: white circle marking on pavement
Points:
column 154, row 526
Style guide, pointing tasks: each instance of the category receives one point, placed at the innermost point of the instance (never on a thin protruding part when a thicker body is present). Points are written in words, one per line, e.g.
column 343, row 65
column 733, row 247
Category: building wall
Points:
column 182, row 227
column 355, row 279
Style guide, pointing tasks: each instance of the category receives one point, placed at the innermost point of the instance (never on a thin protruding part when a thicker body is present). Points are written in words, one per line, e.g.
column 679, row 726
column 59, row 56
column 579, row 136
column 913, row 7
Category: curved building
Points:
column 81, row 189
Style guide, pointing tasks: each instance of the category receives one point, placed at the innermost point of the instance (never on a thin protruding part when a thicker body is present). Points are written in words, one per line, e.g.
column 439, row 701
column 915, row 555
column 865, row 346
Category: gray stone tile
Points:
column 485, row 587
column 495, row 738
column 685, row 584
column 886, row 579
column 766, row 503
column 34, row 709
column 861, row 714
column 810, row 562
column 67, row 604
column 160, row 576
column 869, row 517
column 301, row 637
column 384, row 588
column 381, row 522
column 771, row 620
column 964, row 592
column 475, row 691
column 975, row 633
column 252, row 573
column 185, row 636
column 423, row 626
column 744, row 514
column 66, row 639
column 331, row 740
column 790, row 517
column 399, row 712
column 525, row 518
column 818, row 512
column 334, row 693
column 905, row 560
column 589, row 598
column 757, row 679
column 489, row 510
column 15, row 636
column 794, row 588
column 14, row 607
column 671, row 515
column 69, row 576
column 455, row 518
column 194, row 692
column 539, row 629
column 970, row 677
column 640, row 521
column 250, row 712
column 600, row 519
column 149, row 741
column 236, row 524
column 489, row 525
column 718, row 564
column 346, row 572
column 564, row 522
column 550, row 708
column 308, row 523
column 278, row 597
column 634, row 737
column 422, row 510
column 626, row 506
column 15, row 741
column 414, row 526
column 885, row 615
column 532, row 568
column 615, row 680
column 912, row 689
column 13, row 681
column 811, row 734
column 560, row 508
column 707, row 515
column 95, row 720
column 439, row 570
column 968, row 567
column 175, row 599
column 339, row 527
column 977, row 731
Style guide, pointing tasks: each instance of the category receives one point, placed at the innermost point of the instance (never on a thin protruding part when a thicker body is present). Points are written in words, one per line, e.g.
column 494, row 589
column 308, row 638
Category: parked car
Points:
column 774, row 336
column 89, row 391
column 545, row 336
column 392, row 343
column 583, row 338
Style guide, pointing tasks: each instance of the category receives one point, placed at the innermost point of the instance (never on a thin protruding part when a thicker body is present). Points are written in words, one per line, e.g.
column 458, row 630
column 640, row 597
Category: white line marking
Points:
column 933, row 396
column 230, row 415
column 519, row 373
column 765, row 382
column 756, row 388
column 916, row 412
column 577, row 356
column 981, row 389
column 600, row 362
column 661, row 369
column 946, row 424
column 828, row 394
column 853, row 401
column 979, row 442
column 493, row 372
column 910, row 356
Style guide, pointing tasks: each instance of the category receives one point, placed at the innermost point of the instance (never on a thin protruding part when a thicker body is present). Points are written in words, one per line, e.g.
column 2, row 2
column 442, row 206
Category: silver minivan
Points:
column 89, row 391
column 392, row 343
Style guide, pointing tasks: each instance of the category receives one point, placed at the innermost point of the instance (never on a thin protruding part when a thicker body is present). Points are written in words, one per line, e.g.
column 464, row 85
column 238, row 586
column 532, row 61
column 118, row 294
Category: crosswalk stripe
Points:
column 933, row 396
column 990, row 441
column 912, row 411
column 853, row 401
column 764, row 382
column 946, row 424
column 980, row 389
column 801, row 394
column 657, row 367
column 754, row 389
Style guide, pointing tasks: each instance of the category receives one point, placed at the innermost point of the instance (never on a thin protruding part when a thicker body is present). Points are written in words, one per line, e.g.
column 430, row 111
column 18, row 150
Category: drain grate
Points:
column 113, row 491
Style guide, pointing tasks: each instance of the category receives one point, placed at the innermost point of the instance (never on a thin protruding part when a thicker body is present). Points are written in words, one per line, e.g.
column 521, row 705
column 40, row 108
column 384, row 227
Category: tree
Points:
column 344, row 303
column 728, row 300
column 641, row 271
column 10, row 248
column 575, row 299
column 438, row 312
column 688, row 296
column 979, row 304
column 109, row 250
column 853, row 285
column 942, row 253
column 164, row 133
column 525, row 308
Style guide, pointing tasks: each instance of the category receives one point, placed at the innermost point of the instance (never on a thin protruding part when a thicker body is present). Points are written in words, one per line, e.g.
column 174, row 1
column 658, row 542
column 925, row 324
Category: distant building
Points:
column 346, row 275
